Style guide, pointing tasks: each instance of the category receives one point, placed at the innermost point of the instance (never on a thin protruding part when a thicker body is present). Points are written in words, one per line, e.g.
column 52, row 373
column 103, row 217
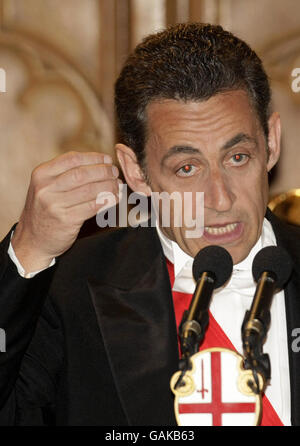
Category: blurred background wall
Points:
column 61, row 58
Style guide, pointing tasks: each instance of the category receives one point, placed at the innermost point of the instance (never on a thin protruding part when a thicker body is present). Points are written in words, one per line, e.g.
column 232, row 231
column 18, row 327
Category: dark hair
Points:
column 190, row 61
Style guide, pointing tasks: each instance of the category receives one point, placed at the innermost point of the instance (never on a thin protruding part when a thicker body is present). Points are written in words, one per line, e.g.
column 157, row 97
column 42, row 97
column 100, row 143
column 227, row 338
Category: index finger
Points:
column 69, row 160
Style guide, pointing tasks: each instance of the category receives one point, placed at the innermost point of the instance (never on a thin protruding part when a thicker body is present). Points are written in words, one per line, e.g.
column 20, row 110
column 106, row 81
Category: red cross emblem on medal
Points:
column 216, row 392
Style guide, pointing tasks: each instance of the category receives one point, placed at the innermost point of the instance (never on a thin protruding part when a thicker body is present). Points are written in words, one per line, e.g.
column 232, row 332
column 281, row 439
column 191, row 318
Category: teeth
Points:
column 221, row 230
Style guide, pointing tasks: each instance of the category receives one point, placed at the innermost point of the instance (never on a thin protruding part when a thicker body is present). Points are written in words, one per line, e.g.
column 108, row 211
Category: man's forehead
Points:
column 170, row 107
column 169, row 116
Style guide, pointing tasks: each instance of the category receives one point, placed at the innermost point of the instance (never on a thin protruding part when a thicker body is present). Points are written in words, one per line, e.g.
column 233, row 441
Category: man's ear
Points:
column 132, row 171
column 274, row 140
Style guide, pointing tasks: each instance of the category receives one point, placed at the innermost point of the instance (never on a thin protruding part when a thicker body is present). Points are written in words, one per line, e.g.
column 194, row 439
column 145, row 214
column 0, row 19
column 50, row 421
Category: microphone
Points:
column 212, row 267
column 271, row 269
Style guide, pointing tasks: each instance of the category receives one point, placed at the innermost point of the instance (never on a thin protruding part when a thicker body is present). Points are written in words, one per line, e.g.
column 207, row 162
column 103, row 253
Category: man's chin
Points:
column 238, row 256
column 238, row 251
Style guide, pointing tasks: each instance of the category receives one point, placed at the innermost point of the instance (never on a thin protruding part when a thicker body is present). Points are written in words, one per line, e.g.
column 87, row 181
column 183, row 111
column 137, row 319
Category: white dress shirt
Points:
column 19, row 267
column 228, row 306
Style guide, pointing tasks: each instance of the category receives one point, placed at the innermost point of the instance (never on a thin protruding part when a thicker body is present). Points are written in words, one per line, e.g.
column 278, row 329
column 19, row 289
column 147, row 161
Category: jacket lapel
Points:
column 291, row 242
column 136, row 318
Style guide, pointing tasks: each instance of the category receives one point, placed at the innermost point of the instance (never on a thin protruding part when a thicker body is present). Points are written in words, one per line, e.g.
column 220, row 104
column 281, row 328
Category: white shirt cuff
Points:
column 20, row 268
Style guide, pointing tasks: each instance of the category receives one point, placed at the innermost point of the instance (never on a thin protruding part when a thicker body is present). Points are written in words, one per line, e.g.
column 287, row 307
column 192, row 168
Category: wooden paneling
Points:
column 63, row 57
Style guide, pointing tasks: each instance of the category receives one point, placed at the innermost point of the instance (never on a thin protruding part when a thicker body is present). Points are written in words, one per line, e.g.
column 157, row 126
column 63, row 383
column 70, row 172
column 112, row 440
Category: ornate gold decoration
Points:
column 187, row 387
column 287, row 206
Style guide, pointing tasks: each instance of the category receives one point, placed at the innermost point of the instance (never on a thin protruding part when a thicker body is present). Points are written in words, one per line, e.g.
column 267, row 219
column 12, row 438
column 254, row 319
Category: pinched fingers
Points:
column 79, row 213
column 71, row 160
column 81, row 175
column 88, row 192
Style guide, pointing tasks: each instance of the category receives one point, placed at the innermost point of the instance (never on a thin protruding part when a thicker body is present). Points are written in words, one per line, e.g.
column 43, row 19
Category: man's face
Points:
column 216, row 147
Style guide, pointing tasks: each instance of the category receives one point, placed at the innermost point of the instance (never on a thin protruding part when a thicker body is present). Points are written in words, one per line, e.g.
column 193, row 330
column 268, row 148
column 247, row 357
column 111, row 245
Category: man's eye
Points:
column 239, row 158
column 186, row 170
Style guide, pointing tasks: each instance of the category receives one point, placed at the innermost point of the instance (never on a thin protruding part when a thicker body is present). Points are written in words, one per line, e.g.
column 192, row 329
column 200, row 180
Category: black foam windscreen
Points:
column 216, row 260
column 274, row 260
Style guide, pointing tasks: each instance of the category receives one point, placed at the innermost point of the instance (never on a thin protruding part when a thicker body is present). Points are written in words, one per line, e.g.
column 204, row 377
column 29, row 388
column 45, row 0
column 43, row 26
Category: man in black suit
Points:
column 92, row 340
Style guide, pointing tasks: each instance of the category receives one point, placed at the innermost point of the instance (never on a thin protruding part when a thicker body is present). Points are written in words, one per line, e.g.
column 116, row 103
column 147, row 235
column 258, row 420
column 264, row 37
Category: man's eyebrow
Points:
column 240, row 137
column 179, row 149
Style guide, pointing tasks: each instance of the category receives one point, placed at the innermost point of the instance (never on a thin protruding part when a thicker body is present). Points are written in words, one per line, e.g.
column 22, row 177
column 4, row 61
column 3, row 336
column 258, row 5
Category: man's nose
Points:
column 218, row 194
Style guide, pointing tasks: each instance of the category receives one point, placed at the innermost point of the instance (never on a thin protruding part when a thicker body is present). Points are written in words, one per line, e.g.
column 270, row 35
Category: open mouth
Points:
column 221, row 229
column 228, row 232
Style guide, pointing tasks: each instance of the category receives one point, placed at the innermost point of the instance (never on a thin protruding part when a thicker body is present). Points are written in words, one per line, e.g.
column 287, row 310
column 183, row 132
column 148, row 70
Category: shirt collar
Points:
column 173, row 252
column 179, row 258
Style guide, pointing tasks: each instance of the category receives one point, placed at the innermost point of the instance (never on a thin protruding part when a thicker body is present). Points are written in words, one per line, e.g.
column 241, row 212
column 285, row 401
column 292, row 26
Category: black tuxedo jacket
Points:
column 92, row 341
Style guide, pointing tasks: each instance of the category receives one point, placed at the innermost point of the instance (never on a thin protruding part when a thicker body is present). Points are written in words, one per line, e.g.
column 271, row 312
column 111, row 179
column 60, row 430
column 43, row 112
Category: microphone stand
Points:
column 194, row 323
column 255, row 360
column 254, row 332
